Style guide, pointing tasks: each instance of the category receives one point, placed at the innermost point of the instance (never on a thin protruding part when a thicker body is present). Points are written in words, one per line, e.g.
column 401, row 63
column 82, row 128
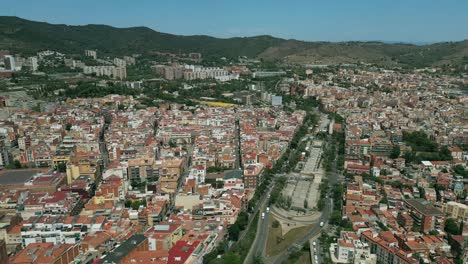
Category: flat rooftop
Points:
column 15, row 177
column 123, row 250
column 424, row 207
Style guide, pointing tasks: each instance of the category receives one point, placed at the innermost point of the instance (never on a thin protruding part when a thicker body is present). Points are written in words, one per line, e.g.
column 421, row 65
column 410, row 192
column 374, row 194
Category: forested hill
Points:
column 29, row 36
column 24, row 36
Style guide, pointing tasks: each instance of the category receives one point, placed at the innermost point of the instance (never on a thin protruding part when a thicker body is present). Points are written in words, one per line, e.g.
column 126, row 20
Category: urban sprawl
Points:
column 172, row 158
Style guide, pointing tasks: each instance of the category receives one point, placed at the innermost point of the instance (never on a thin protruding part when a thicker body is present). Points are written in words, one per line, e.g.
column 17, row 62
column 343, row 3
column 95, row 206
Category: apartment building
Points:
column 357, row 149
column 119, row 255
column 455, row 210
column 425, row 215
column 38, row 253
column 91, row 53
column 252, row 175
column 120, row 62
column 119, row 73
column 385, row 246
column 142, row 170
column 197, row 72
column 381, row 146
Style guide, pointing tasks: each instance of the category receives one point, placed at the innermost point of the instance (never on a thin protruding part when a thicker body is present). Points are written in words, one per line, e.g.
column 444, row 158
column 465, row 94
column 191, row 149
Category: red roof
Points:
column 57, row 197
column 181, row 251
column 43, row 179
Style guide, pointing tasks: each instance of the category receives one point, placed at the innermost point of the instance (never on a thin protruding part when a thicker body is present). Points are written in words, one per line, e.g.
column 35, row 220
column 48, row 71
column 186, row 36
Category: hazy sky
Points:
column 326, row 20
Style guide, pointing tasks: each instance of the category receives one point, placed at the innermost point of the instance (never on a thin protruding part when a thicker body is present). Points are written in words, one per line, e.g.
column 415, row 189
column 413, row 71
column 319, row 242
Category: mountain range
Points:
column 23, row 36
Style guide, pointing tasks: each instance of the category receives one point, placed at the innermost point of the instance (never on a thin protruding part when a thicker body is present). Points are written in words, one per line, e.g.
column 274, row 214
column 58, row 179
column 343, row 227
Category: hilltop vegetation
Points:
column 20, row 35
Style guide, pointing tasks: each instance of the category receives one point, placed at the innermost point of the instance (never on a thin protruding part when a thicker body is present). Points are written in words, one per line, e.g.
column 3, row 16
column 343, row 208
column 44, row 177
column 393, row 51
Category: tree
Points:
column 459, row 260
column 382, row 226
column 275, row 224
column 16, row 164
column 258, row 260
column 445, row 153
column 252, row 204
column 409, row 157
column 62, row 167
column 419, row 141
column 137, row 203
column 214, row 169
column 68, row 126
column 306, row 204
column 172, row 143
column 459, row 170
column 320, row 204
column 395, row 152
column 231, row 258
column 234, row 232
column 335, row 218
column 242, row 220
column 415, row 227
column 451, row 226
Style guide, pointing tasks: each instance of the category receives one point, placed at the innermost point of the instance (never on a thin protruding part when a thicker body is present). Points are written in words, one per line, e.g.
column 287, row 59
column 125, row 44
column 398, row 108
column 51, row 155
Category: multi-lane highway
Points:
column 261, row 207
column 259, row 244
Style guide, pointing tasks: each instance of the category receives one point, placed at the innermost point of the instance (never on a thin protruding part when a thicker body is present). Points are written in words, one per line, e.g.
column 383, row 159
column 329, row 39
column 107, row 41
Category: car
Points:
column 268, row 209
column 263, row 216
column 314, row 244
column 321, row 224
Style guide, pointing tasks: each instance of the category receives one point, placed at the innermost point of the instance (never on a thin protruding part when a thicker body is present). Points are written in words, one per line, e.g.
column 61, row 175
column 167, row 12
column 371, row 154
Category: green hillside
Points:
column 24, row 36
column 27, row 36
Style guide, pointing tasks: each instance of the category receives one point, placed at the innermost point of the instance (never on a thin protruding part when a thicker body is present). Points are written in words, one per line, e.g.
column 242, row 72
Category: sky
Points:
column 416, row 21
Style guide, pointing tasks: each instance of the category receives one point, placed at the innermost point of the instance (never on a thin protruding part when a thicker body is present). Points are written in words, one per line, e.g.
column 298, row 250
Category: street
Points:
column 259, row 245
column 261, row 236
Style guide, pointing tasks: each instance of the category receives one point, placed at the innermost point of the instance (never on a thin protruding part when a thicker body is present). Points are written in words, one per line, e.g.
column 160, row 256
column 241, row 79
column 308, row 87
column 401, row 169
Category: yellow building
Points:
column 98, row 205
column 455, row 210
column 83, row 167
column 61, row 157
column 164, row 236
column 73, row 172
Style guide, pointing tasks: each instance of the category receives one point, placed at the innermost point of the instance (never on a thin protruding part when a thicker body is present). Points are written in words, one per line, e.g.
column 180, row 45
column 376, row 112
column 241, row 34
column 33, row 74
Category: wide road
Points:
column 316, row 229
column 313, row 232
column 259, row 246
column 259, row 243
